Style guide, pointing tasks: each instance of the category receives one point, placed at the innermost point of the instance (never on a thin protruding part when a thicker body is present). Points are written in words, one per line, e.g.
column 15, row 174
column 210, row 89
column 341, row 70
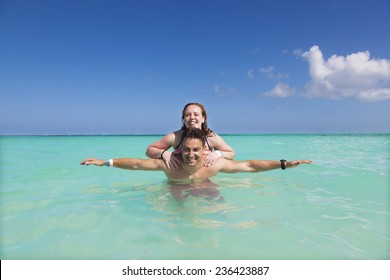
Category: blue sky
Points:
column 129, row 67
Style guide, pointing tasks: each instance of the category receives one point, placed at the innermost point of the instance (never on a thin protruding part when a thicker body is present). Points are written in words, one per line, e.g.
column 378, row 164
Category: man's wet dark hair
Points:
column 195, row 133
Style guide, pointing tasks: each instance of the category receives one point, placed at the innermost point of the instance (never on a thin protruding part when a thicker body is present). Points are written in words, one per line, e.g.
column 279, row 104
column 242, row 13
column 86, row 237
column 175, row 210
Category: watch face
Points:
column 283, row 164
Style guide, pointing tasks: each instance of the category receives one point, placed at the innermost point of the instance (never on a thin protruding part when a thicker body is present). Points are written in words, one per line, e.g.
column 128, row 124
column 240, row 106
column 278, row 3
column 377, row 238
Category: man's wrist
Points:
column 110, row 162
column 283, row 164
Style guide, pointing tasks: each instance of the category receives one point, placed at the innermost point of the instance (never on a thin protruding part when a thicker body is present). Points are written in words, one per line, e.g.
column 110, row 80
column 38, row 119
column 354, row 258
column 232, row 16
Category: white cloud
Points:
column 355, row 75
column 269, row 73
column 374, row 94
column 297, row 52
column 251, row 74
column 280, row 90
column 223, row 92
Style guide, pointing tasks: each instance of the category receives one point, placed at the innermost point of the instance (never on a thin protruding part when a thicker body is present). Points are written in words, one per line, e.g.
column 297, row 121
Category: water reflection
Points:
column 205, row 189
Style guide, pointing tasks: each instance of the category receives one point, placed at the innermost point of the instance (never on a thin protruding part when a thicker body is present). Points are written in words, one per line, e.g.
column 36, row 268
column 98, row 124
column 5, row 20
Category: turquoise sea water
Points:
column 336, row 208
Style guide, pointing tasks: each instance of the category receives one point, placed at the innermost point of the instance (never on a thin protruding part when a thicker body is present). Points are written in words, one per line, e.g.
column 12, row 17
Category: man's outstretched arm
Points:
column 126, row 163
column 260, row 165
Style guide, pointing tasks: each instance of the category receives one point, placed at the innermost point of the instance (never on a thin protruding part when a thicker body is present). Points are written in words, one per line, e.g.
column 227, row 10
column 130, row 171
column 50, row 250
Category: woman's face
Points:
column 193, row 117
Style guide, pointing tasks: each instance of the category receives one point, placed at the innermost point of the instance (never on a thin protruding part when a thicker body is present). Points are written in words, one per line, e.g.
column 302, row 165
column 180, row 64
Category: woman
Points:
column 194, row 115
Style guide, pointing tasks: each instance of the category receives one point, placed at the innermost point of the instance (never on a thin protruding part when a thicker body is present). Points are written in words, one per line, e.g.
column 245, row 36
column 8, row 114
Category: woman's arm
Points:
column 159, row 150
column 222, row 149
column 155, row 149
column 220, row 145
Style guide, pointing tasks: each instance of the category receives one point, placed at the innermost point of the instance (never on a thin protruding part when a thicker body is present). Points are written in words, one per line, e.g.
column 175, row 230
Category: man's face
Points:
column 192, row 151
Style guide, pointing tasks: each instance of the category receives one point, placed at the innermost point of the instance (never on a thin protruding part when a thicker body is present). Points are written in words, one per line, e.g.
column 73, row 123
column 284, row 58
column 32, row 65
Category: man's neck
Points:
column 192, row 169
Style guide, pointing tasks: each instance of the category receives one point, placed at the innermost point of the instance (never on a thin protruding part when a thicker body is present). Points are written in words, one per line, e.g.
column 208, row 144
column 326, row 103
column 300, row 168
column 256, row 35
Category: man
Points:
column 192, row 169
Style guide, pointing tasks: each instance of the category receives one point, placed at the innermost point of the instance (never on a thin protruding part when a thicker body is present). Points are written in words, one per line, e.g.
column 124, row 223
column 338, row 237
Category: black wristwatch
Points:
column 283, row 164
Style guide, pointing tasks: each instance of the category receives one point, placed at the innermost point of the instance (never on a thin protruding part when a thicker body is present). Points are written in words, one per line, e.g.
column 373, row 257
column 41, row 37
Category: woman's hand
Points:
column 211, row 158
column 170, row 160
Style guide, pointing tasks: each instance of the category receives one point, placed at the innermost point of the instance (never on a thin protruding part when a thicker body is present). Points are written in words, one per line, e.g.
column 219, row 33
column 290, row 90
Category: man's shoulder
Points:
column 229, row 165
column 221, row 163
column 158, row 162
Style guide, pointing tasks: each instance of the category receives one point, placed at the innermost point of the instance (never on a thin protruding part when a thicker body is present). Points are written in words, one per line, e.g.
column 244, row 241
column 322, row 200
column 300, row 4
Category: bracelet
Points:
column 283, row 164
column 107, row 163
column 220, row 153
column 110, row 163
column 163, row 153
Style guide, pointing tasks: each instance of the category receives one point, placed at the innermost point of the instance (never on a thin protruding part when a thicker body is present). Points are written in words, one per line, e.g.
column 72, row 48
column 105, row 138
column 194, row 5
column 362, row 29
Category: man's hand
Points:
column 295, row 163
column 93, row 161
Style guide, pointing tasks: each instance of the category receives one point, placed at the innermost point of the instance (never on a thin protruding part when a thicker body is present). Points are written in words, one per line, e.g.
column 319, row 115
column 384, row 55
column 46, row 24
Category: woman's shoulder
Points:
column 214, row 139
column 176, row 137
column 177, row 133
column 211, row 133
column 167, row 139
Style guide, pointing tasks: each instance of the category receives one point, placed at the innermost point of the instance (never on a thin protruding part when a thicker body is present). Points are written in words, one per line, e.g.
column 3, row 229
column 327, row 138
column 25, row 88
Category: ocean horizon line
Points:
column 221, row 134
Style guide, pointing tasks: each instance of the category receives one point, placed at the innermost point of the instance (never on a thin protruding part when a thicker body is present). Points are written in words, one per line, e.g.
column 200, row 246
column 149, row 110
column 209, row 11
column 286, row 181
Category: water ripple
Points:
column 337, row 244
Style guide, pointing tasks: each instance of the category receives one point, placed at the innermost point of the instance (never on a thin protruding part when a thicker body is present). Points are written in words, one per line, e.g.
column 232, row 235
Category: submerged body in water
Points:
column 205, row 189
